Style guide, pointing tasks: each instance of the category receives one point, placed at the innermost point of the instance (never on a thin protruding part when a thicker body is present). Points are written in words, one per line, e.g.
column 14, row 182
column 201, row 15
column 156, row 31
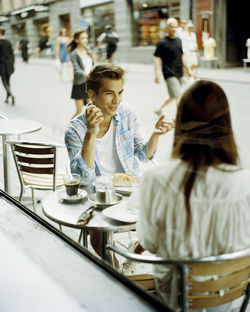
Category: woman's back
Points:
column 220, row 207
column 220, row 214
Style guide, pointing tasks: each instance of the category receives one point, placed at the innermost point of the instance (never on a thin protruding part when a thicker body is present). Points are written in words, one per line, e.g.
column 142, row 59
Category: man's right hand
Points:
column 93, row 117
column 157, row 80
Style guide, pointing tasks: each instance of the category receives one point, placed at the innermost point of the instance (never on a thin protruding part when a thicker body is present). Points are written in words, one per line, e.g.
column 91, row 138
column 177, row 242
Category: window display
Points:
column 150, row 19
column 98, row 17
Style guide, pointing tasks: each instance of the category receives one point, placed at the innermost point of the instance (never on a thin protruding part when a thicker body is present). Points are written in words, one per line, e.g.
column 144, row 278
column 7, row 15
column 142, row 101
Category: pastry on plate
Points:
column 124, row 179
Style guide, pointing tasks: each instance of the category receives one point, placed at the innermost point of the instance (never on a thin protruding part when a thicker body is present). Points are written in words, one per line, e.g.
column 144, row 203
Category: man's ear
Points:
column 92, row 94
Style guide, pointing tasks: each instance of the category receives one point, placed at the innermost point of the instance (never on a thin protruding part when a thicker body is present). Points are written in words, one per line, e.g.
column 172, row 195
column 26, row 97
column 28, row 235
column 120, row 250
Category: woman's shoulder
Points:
column 162, row 173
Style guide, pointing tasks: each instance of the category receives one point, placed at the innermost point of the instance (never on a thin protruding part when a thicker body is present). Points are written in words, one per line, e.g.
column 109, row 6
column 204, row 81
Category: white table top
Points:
column 18, row 126
column 67, row 213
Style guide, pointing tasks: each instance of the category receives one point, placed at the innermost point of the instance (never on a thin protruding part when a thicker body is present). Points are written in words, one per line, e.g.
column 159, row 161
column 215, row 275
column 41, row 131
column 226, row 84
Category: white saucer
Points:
column 64, row 196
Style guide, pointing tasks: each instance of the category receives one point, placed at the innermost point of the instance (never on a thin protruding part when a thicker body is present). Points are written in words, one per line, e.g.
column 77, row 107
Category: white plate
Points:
column 64, row 196
column 121, row 212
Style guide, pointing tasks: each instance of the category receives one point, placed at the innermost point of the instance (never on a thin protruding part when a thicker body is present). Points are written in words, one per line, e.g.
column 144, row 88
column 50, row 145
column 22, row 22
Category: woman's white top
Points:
column 189, row 42
column 220, row 209
column 88, row 64
column 106, row 148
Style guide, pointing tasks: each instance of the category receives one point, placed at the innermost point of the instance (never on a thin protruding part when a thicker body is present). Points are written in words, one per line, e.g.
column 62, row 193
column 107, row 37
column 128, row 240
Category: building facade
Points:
column 139, row 23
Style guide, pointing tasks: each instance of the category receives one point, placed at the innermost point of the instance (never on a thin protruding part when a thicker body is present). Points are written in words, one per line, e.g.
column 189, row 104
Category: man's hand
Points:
column 93, row 117
column 162, row 126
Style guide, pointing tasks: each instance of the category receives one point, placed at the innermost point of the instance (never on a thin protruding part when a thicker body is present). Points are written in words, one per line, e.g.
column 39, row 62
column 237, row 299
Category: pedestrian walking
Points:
column 110, row 38
column 248, row 48
column 62, row 57
column 181, row 30
column 82, row 63
column 190, row 47
column 169, row 54
column 23, row 46
column 6, row 64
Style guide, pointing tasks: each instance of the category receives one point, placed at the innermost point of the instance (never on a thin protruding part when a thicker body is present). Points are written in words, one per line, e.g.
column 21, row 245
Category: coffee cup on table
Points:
column 72, row 182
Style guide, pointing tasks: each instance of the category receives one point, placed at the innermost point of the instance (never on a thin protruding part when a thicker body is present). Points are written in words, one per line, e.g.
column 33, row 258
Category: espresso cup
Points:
column 72, row 182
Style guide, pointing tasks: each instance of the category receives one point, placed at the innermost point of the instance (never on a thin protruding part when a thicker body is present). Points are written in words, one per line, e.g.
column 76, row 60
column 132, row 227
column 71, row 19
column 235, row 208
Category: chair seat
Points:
column 42, row 180
column 146, row 281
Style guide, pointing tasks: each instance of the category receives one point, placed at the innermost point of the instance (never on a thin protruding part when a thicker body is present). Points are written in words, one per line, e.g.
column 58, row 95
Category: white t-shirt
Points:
column 106, row 148
column 87, row 63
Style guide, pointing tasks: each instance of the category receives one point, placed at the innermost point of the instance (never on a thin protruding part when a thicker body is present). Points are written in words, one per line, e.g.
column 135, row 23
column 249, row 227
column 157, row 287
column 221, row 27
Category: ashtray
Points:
column 101, row 204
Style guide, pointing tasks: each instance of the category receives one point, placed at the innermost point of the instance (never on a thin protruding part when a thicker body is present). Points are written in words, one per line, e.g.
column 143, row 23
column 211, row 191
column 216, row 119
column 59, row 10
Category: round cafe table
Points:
column 14, row 127
column 67, row 214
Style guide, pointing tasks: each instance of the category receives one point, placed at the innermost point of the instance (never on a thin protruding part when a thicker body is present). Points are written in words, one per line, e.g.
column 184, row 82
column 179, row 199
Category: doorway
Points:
column 65, row 23
column 237, row 31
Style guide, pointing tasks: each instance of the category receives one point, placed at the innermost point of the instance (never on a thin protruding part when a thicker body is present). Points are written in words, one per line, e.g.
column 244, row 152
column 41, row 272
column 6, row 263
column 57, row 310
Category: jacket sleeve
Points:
column 140, row 142
column 73, row 141
column 78, row 70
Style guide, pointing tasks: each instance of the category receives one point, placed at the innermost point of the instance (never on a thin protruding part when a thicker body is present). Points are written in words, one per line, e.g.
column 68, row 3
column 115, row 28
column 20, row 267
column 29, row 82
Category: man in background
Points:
column 6, row 64
column 110, row 38
column 169, row 55
column 23, row 43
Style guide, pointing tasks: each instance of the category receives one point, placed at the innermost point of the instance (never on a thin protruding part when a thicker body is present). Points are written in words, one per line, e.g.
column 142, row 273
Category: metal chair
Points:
column 36, row 166
column 232, row 272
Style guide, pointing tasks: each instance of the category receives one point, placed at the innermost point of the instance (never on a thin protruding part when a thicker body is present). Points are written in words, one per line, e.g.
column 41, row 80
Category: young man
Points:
column 107, row 137
column 6, row 64
column 169, row 54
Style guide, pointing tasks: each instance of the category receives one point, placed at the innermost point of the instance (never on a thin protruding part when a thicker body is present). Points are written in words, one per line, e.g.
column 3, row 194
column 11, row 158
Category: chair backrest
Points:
column 204, row 282
column 232, row 279
column 34, row 158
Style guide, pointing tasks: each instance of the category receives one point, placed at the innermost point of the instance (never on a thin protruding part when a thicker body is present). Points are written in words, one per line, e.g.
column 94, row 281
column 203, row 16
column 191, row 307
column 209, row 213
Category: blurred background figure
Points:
column 43, row 42
column 209, row 45
column 190, row 47
column 24, row 46
column 62, row 57
column 82, row 63
column 248, row 48
column 181, row 30
column 110, row 39
column 6, row 64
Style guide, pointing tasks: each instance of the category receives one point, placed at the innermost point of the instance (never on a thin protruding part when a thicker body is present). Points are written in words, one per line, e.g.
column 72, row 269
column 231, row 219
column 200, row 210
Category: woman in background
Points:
column 62, row 56
column 82, row 63
column 198, row 204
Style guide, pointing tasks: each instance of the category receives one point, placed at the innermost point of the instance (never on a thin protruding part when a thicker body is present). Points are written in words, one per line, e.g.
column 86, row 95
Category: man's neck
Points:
column 104, row 126
column 2, row 36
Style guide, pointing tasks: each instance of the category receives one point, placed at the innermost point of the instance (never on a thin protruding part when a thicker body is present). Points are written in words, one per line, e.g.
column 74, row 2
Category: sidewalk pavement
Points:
column 235, row 74
column 232, row 74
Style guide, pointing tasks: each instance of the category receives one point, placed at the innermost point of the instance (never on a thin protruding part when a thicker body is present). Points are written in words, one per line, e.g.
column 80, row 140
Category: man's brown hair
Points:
column 102, row 71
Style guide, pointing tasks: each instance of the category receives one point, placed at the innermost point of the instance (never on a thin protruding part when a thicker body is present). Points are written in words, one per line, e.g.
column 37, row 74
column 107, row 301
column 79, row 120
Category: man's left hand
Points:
column 162, row 126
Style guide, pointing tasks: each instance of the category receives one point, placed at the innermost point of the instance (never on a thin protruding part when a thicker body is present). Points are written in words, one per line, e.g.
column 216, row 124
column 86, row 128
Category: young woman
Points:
column 198, row 204
column 62, row 52
column 82, row 63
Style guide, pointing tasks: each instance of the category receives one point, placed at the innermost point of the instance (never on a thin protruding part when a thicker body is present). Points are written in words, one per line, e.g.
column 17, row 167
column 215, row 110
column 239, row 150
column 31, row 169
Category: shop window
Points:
column 97, row 17
column 149, row 21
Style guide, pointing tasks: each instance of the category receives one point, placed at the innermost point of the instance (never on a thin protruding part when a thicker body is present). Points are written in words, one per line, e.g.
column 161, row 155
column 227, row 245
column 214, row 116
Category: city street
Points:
column 41, row 97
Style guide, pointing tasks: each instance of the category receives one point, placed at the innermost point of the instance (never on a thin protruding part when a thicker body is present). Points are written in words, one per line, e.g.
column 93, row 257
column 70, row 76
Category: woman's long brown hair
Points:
column 203, row 134
column 72, row 45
